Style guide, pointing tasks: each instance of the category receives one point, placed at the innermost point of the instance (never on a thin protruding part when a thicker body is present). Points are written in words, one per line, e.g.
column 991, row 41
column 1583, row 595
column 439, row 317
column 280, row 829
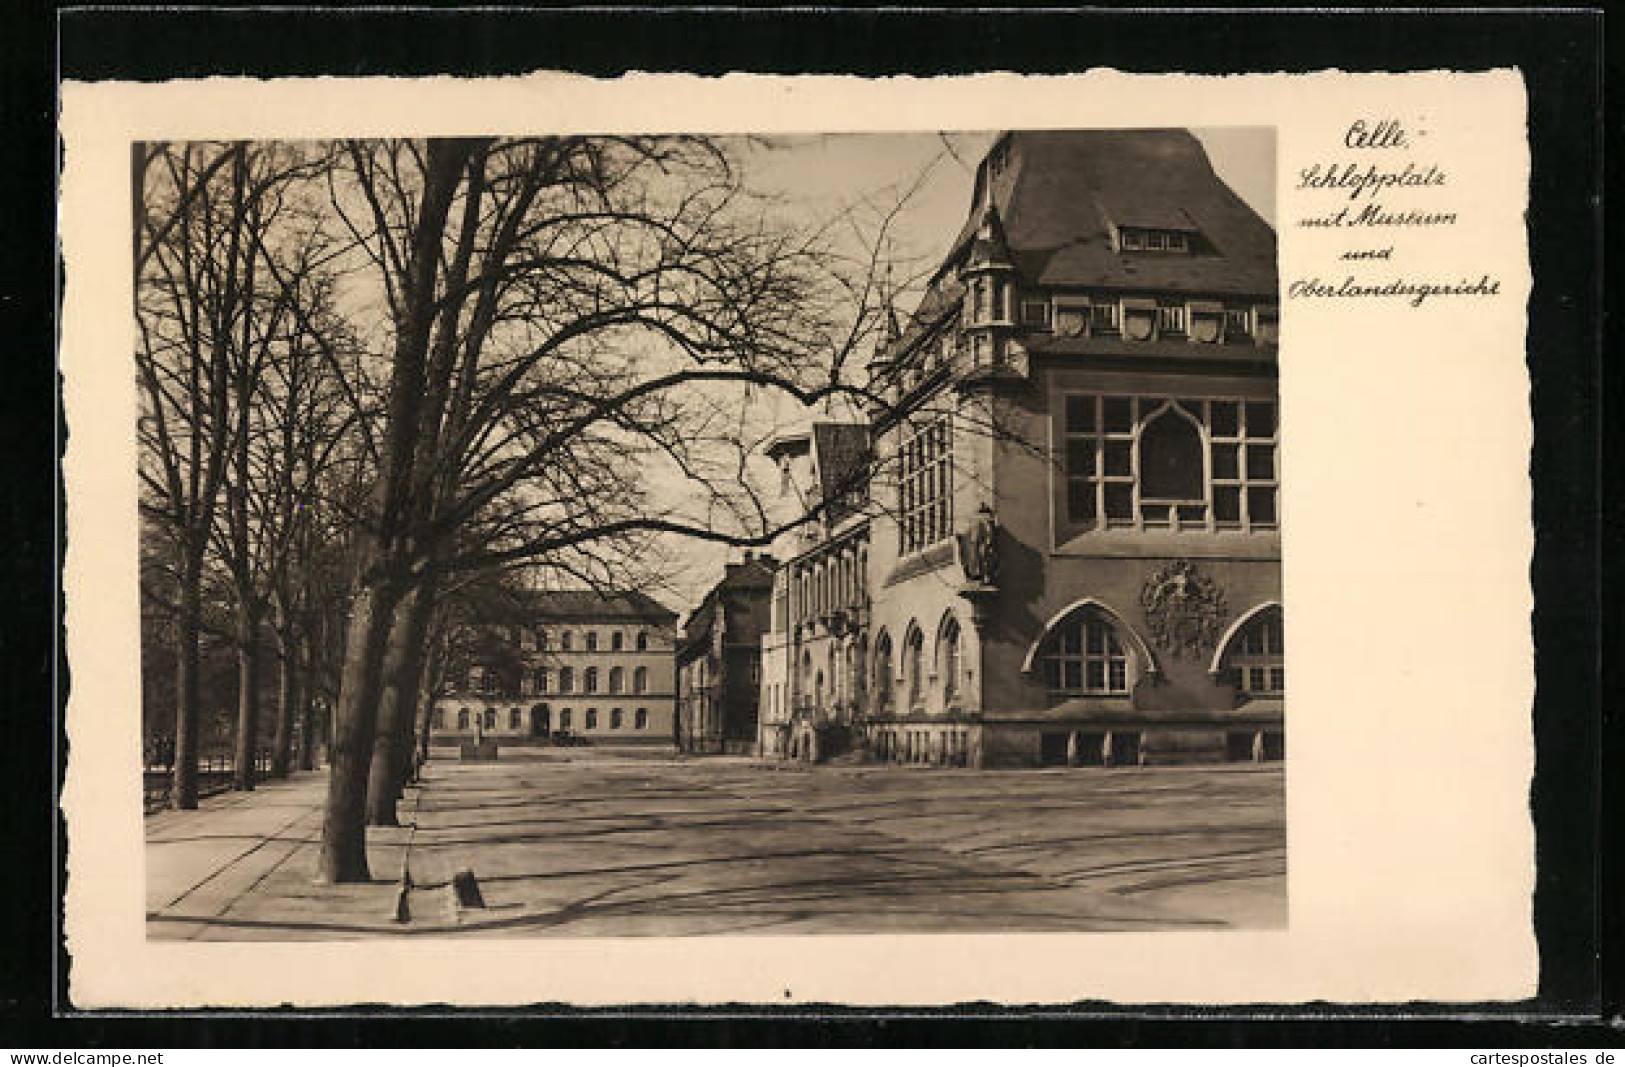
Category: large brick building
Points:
column 590, row 665
column 1070, row 549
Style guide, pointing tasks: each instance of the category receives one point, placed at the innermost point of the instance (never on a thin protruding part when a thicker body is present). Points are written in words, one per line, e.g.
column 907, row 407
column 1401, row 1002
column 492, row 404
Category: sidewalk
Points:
column 592, row 844
column 213, row 869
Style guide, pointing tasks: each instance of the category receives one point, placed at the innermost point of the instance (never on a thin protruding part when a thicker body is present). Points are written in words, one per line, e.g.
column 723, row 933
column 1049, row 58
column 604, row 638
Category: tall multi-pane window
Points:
column 1084, row 656
column 564, row 720
column 590, row 682
column 950, row 660
column 925, row 478
column 592, row 641
column 514, row 718
column 914, row 666
column 567, row 679
column 1099, row 460
column 616, row 641
column 617, row 679
column 643, row 642
column 883, row 673
column 640, row 679
column 567, row 640
column 1245, row 483
column 542, row 679
column 1169, row 463
column 1257, row 660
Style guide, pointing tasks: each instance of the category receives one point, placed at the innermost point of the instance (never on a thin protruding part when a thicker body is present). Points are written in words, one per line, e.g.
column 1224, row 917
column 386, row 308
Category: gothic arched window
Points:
column 1085, row 656
column 914, row 666
column 948, row 656
column 883, row 672
column 1257, row 658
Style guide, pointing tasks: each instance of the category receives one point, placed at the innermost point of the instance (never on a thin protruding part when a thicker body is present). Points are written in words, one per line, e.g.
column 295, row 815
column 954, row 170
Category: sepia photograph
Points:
column 678, row 535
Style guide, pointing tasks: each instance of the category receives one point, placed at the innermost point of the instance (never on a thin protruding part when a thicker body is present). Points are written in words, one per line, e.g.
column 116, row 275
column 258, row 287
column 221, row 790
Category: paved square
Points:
column 591, row 843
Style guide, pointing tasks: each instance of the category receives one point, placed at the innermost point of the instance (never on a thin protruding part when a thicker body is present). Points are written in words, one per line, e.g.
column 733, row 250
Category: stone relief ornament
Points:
column 1184, row 609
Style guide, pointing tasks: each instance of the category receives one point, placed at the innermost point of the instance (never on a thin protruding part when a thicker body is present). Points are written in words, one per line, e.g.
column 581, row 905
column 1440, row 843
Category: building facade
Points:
column 579, row 664
column 719, row 658
column 1070, row 552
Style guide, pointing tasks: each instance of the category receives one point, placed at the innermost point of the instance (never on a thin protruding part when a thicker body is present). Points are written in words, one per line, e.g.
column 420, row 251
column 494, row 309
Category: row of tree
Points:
column 376, row 377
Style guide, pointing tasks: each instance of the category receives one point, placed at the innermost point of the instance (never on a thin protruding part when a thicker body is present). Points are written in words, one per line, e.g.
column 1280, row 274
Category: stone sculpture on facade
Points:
column 1184, row 609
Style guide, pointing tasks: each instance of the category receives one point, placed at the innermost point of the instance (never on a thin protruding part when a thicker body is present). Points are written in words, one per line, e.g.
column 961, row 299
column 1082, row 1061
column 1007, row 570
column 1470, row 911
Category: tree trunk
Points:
column 386, row 555
column 401, row 673
column 287, row 699
column 248, row 698
column 307, row 708
column 343, row 856
column 183, row 783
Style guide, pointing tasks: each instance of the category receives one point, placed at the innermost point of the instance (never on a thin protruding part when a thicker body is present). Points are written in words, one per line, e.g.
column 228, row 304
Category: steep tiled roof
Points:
column 589, row 603
column 1059, row 192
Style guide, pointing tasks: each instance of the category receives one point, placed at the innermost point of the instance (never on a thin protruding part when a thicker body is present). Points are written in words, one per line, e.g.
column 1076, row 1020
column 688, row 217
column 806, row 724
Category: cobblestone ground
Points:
column 598, row 844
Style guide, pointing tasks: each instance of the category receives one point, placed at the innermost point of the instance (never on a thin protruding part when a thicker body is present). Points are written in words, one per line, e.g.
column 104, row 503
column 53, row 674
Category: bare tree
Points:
column 195, row 207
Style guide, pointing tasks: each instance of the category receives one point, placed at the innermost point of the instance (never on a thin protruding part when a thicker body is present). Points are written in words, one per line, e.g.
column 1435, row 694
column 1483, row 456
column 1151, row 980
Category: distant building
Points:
column 719, row 660
column 595, row 666
column 1070, row 552
column 812, row 677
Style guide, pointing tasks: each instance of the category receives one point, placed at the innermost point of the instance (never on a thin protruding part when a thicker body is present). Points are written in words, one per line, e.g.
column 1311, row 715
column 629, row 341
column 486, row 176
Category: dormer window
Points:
column 1141, row 239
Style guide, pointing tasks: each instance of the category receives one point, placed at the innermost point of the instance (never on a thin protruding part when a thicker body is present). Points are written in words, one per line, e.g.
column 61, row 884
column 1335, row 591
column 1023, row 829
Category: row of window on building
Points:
column 531, row 640
column 545, row 679
column 1131, row 462
column 543, row 724
column 1148, row 319
column 1084, row 656
column 832, row 580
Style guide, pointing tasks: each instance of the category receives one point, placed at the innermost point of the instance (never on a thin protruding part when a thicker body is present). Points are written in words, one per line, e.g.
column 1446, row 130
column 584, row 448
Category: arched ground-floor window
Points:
column 1256, row 661
column 1084, row 656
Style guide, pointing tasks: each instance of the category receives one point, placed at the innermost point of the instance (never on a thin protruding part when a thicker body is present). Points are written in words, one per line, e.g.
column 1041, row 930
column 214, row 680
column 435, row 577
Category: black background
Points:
column 1561, row 57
